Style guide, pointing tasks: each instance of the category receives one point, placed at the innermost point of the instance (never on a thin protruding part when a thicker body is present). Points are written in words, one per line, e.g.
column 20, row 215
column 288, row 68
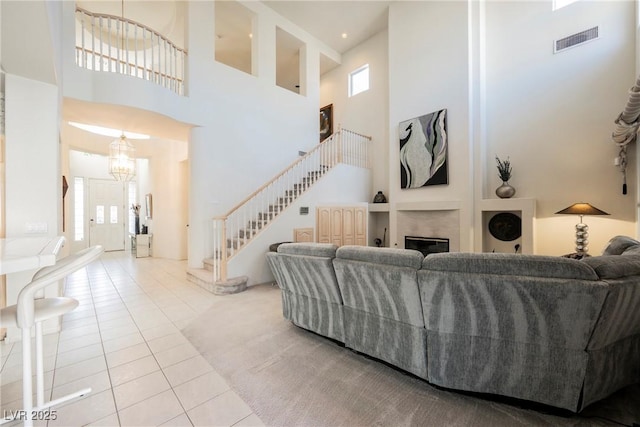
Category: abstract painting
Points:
column 423, row 150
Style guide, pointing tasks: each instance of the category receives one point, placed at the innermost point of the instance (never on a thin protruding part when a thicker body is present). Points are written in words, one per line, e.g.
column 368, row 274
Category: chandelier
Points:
column 122, row 160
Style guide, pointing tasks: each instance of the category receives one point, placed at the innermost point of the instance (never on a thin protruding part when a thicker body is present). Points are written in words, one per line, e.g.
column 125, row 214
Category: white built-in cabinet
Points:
column 342, row 225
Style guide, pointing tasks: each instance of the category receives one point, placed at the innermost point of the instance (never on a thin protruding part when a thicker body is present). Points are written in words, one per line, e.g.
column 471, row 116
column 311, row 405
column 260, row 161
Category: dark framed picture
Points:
column 326, row 122
column 423, row 150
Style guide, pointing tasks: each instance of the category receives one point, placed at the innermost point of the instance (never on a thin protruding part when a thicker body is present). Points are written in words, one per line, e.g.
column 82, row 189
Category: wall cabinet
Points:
column 342, row 225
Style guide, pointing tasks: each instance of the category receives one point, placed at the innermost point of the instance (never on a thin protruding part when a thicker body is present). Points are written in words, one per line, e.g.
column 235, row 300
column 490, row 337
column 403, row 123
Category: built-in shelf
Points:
column 378, row 207
column 525, row 208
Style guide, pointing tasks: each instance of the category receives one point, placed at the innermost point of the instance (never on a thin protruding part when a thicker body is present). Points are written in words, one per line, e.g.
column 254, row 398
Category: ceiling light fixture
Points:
column 122, row 160
column 345, row 35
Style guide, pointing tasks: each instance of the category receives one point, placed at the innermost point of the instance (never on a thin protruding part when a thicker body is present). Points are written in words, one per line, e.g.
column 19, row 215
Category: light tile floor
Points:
column 124, row 342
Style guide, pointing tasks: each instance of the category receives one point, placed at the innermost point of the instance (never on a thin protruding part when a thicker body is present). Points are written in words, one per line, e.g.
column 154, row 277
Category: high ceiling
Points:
column 326, row 20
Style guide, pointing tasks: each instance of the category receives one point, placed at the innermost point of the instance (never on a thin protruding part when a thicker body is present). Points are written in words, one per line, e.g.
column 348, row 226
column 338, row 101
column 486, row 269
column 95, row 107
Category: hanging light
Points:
column 122, row 159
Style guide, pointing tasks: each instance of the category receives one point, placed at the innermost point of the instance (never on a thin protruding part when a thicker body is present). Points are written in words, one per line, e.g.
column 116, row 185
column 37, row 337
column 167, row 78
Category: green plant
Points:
column 504, row 169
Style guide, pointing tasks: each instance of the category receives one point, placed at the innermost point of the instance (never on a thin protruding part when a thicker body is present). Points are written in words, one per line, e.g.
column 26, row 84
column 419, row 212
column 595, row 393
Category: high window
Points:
column 359, row 80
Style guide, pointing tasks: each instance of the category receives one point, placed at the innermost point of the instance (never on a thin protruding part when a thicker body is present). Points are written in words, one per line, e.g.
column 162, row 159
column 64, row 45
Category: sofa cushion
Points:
column 327, row 250
column 510, row 264
column 614, row 266
column 619, row 245
column 388, row 256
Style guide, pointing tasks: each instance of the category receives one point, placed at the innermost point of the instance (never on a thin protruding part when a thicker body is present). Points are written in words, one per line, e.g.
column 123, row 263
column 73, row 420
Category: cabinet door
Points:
column 360, row 226
column 348, row 226
column 323, row 225
column 336, row 226
column 303, row 234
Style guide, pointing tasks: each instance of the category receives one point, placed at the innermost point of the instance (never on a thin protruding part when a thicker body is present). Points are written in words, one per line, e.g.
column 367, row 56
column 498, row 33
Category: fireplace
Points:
column 426, row 245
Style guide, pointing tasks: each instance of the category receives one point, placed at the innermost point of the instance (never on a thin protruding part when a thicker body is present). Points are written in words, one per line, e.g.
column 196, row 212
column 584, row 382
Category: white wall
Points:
column 366, row 113
column 428, row 71
column 33, row 178
column 32, row 153
column 552, row 114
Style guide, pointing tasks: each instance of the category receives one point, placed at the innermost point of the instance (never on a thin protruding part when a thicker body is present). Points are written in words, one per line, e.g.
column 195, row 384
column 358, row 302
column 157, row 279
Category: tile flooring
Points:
column 124, row 342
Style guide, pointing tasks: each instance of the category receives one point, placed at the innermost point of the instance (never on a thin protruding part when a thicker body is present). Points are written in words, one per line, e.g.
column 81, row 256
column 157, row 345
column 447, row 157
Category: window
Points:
column 559, row 4
column 113, row 214
column 359, row 80
column 100, row 214
column 78, row 209
column 132, row 201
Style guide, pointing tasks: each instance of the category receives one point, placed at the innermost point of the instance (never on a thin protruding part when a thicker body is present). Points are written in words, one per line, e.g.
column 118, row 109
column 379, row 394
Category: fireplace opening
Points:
column 426, row 245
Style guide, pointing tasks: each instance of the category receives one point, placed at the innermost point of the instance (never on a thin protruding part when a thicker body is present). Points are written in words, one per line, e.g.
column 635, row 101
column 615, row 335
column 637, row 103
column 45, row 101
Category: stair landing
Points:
column 204, row 278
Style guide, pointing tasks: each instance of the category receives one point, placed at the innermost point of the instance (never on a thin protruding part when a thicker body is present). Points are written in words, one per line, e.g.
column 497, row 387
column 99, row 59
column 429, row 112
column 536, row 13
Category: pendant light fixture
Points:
column 122, row 159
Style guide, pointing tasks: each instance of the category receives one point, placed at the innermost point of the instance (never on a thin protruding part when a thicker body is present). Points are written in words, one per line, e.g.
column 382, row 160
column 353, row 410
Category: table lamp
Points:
column 582, row 229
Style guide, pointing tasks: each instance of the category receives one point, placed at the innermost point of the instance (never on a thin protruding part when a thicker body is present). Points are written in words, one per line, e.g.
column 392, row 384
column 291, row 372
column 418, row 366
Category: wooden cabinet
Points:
column 303, row 234
column 342, row 225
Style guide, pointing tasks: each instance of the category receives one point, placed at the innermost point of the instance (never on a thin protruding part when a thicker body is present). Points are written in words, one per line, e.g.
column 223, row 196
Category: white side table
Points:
column 143, row 245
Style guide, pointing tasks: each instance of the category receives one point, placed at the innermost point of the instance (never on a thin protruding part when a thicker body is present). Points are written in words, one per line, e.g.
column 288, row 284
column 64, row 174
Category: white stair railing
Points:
column 233, row 231
column 119, row 45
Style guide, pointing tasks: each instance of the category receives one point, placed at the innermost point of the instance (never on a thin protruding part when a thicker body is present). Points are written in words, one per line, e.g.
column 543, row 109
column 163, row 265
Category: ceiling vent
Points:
column 575, row 39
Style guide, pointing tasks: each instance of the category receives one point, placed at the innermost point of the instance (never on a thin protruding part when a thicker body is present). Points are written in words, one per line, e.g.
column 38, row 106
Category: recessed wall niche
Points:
column 288, row 60
column 234, row 34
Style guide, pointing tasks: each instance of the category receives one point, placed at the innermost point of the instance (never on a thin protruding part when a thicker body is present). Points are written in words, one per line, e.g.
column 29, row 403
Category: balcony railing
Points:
column 119, row 45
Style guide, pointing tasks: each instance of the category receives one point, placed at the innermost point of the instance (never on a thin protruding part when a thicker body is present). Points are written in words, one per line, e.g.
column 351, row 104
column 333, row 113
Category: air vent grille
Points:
column 575, row 39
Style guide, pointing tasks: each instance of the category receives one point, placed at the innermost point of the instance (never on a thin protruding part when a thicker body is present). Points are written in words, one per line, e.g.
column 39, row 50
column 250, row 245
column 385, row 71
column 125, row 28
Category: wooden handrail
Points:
column 129, row 21
column 357, row 134
column 263, row 186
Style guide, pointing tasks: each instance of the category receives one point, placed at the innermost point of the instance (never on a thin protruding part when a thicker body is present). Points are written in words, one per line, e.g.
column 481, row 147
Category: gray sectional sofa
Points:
column 552, row 330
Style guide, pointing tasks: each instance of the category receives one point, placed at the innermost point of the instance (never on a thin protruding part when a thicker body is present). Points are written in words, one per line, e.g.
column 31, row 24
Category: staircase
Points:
column 235, row 230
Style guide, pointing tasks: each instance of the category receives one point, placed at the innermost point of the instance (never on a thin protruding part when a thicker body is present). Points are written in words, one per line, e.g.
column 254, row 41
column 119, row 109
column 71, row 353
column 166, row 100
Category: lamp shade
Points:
column 122, row 160
column 582, row 209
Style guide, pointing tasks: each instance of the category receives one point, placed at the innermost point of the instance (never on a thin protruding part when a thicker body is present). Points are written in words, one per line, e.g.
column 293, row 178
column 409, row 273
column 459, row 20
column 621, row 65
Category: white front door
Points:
column 106, row 214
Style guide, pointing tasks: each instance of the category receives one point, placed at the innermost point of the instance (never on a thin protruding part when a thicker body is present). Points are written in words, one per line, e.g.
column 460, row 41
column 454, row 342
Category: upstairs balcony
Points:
column 119, row 45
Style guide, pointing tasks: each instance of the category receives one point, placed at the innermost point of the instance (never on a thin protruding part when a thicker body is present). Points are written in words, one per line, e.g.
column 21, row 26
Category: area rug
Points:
column 292, row 377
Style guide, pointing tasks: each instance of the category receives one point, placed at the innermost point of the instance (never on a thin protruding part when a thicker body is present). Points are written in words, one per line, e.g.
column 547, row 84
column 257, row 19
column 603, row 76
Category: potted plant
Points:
column 505, row 191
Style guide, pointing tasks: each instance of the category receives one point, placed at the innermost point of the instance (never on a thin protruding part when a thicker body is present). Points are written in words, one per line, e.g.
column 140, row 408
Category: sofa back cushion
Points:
column 510, row 264
column 306, row 269
column 517, row 298
column 380, row 281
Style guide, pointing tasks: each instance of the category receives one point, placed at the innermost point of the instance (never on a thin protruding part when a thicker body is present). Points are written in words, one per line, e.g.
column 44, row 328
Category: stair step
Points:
column 236, row 243
column 267, row 215
column 204, row 279
column 245, row 232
